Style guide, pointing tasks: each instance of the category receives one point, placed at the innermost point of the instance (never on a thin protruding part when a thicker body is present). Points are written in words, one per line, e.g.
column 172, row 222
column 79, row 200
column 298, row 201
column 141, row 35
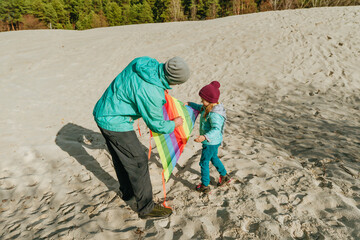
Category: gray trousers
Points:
column 131, row 167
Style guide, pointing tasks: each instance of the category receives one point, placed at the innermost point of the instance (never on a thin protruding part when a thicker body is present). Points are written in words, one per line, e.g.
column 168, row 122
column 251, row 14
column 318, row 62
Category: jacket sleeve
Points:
column 216, row 122
column 149, row 103
column 195, row 106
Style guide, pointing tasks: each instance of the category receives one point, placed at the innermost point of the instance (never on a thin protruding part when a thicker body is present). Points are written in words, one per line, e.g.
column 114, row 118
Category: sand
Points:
column 290, row 81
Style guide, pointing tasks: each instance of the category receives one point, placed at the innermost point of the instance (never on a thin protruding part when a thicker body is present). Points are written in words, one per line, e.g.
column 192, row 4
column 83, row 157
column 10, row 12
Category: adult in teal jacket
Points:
column 138, row 92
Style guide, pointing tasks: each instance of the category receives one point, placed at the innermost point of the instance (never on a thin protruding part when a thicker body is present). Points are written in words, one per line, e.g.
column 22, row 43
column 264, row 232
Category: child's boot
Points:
column 202, row 188
column 223, row 180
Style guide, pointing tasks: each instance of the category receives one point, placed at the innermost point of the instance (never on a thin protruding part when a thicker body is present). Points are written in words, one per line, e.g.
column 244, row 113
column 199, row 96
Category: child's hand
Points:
column 200, row 139
column 178, row 121
column 186, row 103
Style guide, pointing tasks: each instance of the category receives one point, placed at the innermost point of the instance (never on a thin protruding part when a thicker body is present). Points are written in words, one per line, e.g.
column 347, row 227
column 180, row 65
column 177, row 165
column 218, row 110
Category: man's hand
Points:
column 200, row 138
column 178, row 121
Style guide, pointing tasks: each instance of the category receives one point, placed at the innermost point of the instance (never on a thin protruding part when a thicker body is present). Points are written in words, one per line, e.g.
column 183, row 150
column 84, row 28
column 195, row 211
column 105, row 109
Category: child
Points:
column 212, row 120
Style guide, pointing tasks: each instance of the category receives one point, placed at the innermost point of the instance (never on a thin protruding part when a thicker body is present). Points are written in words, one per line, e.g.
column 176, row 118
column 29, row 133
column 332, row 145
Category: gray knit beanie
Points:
column 176, row 71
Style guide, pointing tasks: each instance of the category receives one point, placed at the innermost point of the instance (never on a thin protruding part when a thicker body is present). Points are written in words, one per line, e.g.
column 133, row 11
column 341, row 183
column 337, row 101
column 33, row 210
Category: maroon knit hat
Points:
column 211, row 92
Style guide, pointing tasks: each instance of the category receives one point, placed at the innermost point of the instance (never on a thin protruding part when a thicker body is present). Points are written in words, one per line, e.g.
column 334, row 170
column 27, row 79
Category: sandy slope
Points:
column 290, row 81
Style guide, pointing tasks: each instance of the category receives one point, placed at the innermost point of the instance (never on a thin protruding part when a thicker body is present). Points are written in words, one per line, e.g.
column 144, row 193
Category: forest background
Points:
column 86, row 14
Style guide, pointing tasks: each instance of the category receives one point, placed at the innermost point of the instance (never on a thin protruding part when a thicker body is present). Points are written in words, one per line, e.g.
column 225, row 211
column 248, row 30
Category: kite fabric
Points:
column 170, row 146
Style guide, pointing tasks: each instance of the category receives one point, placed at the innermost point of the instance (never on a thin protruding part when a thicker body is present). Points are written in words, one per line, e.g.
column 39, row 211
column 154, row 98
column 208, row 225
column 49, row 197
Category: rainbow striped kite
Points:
column 170, row 146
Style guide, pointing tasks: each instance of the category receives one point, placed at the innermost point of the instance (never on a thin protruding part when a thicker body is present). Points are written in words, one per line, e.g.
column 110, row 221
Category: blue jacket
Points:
column 138, row 91
column 213, row 126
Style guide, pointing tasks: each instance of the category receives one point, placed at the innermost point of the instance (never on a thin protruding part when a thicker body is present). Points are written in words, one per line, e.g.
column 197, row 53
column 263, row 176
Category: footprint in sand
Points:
column 84, row 177
column 250, row 225
column 67, row 209
column 36, row 224
column 47, row 197
column 7, row 185
column 65, row 219
column 93, row 211
column 3, row 208
column 31, row 182
column 296, row 229
column 284, row 219
column 13, row 227
column 5, row 174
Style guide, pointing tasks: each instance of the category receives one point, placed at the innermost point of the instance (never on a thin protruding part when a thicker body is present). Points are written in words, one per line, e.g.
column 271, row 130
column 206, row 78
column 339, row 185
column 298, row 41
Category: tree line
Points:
column 86, row 14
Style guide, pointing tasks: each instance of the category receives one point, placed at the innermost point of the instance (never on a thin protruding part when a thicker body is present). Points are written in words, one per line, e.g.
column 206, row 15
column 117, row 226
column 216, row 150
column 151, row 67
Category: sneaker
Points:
column 158, row 212
column 202, row 188
column 223, row 180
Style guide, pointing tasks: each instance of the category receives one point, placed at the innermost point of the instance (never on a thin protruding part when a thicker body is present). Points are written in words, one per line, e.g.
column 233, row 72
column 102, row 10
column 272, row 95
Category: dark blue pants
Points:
column 131, row 167
column 210, row 153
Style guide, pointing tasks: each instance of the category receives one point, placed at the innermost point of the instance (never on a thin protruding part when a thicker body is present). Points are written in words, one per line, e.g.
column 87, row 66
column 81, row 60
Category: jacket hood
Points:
column 219, row 109
column 151, row 71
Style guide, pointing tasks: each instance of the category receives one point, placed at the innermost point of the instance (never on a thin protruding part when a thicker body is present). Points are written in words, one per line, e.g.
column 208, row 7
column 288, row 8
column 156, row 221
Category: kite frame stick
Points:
column 164, row 188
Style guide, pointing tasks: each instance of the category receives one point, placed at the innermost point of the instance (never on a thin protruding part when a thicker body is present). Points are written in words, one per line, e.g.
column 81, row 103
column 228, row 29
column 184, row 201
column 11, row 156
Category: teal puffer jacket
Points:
column 138, row 91
column 212, row 127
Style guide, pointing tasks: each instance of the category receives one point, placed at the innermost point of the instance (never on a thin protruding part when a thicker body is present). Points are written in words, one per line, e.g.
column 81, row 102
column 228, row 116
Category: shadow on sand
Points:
column 75, row 139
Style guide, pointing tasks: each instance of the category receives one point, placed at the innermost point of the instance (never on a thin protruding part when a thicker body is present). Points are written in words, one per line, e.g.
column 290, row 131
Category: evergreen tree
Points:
column 193, row 10
column 126, row 12
column 141, row 13
column 200, row 9
column 225, row 7
column 11, row 12
column 99, row 20
column 62, row 14
column 212, row 8
column 187, row 8
column 38, row 9
column 98, row 6
column 113, row 14
column 160, row 13
column 84, row 21
column 73, row 7
column 50, row 15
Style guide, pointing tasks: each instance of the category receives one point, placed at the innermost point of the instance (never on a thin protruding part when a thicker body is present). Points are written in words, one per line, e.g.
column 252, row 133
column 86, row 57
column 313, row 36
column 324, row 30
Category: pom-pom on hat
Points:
column 176, row 71
column 211, row 92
